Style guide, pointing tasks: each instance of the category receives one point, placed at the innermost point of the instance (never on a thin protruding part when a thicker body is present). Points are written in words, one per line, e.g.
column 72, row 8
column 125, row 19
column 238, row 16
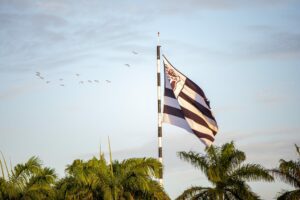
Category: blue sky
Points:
column 245, row 55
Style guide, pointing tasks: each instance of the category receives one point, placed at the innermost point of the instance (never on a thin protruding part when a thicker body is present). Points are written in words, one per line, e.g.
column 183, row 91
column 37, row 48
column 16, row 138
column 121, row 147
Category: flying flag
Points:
column 186, row 106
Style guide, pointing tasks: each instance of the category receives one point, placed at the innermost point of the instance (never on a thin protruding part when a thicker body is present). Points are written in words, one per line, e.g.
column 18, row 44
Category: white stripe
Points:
column 198, row 127
column 177, row 121
column 159, row 142
column 183, row 103
column 158, row 92
column 191, row 93
column 158, row 65
column 171, row 102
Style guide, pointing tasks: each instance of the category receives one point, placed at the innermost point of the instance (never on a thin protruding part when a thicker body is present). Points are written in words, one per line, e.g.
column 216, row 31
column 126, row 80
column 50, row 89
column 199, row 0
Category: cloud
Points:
column 270, row 97
column 271, row 43
column 38, row 35
column 16, row 91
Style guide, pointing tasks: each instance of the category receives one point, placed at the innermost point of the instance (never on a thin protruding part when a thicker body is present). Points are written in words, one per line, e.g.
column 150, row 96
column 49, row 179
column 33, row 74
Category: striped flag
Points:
column 186, row 106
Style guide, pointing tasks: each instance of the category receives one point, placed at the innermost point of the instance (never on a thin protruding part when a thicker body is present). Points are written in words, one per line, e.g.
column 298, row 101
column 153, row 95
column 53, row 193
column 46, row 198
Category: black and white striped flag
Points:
column 186, row 106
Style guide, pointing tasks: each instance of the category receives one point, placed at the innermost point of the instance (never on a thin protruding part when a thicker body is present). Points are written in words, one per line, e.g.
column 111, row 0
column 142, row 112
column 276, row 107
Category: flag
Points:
column 186, row 106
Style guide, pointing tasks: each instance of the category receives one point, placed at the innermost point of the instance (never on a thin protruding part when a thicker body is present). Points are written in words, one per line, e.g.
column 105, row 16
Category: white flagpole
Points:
column 159, row 112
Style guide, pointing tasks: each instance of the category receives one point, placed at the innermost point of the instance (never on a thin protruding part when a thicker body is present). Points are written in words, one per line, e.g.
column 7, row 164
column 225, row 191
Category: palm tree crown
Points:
column 224, row 169
column 28, row 181
column 289, row 172
column 96, row 179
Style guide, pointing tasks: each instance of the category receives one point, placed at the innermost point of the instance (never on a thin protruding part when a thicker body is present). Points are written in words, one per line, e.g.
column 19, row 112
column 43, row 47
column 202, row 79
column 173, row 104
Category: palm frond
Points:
column 252, row 172
column 200, row 192
column 286, row 177
column 289, row 195
column 197, row 160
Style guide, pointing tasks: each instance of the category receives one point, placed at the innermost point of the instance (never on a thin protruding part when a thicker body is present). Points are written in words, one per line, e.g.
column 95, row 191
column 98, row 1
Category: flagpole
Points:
column 159, row 112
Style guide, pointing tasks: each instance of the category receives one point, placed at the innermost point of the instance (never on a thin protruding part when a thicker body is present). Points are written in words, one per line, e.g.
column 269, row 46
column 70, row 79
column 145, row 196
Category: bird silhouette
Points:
column 62, row 85
column 127, row 65
column 134, row 52
column 96, row 81
column 108, row 81
column 61, row 79
column 41, row 77
column 47, row 82
column 77, row 74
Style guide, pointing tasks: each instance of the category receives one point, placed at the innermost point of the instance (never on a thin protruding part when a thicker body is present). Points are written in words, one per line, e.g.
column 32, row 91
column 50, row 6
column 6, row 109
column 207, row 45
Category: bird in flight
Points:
column 127, row 65
column 61, row 79
column 134, row 52
column 41, row 77
column 108, row 81
column 77, row 74
column 96, row 81
column 47, row 82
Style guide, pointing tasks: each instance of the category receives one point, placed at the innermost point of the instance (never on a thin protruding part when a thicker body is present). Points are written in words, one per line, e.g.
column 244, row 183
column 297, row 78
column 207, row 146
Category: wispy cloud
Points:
column 269, row 42
column 270, row 97
column 15, row 91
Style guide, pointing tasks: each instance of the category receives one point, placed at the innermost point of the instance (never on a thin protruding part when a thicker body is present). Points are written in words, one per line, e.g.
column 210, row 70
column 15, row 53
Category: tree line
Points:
column 137, row 178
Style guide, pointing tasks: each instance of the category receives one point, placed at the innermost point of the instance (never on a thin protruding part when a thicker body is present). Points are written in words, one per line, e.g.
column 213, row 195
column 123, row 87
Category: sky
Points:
column 245, row 55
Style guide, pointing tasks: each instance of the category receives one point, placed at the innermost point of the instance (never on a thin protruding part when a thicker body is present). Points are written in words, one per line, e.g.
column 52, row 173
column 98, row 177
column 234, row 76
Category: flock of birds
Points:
column 61, row 83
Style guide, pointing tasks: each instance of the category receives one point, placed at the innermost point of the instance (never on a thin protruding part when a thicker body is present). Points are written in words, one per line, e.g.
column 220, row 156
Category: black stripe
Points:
column 189, row 114
column 158, row 79
column 158, row 52
column 195, row 87
column 173, row 111
column 161, row 173
column 200, row 107
column 159, row 105
column 169, row 93
column 203, row 135
column 160, row 152
column 159, row 131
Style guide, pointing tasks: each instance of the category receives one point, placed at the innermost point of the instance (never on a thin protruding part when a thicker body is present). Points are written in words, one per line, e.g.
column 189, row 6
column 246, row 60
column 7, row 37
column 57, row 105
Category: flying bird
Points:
column 77, row 74
column 61, row 79
column 96, row 81
column 41, row 77
column 47, row 82
column 62, row 85
column 127, row 65
column 134, row 52
column 108, row 81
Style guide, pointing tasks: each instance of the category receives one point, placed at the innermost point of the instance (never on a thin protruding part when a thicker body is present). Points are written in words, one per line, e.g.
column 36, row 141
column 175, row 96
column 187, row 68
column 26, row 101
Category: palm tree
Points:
column 96, row 179
column 289, row 172
column 224, row 169
column 28, row 181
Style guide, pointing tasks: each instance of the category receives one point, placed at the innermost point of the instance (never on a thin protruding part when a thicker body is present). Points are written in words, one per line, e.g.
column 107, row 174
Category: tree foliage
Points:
column 133, row 178
column 223, row 166
column 289, row 172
